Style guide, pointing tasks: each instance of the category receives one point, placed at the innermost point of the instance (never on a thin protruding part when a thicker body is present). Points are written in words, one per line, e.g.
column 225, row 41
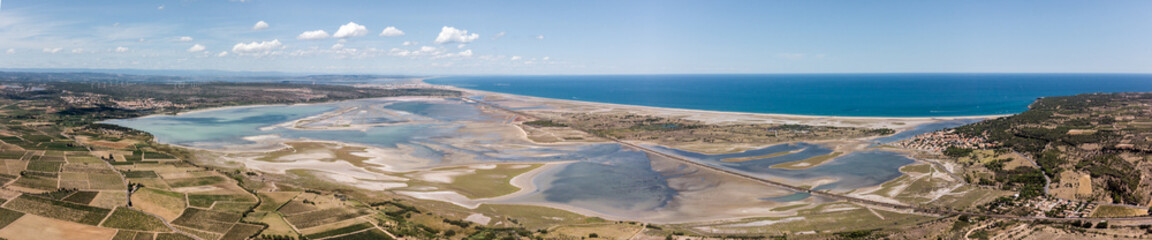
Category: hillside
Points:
column 1101, row 140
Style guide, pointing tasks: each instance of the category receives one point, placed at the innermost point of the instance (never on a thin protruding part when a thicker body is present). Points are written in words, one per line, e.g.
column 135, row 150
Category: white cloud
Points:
column 183, row 39
column 408, row 43
column 196, row 48
column 427, row 49
column 161, row 7
column 350, row 30
column 465, row 53
column 498, row 35
column 514, row 58
column 10, row 51
column 337, row 46
column 222, row 53
column 261, row 25
column 399, row 52
column 53, row 50
column 546, row 58
column 540, row 37
column 77, row 50
column 257, row 48
column 121, row 49
column 461, row 45
column 313, row 35
column 453, row 35
column 391, row 31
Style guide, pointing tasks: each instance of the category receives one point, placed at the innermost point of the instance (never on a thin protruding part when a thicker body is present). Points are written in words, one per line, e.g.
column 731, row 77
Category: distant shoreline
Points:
column 777, row 115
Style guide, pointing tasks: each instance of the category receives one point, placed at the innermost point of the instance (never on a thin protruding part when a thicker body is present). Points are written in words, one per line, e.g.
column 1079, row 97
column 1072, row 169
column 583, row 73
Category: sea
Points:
column 857, row 95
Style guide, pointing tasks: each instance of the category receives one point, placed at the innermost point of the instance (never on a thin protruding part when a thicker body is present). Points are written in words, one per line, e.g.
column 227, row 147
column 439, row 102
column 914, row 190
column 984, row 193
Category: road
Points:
column 919, row 209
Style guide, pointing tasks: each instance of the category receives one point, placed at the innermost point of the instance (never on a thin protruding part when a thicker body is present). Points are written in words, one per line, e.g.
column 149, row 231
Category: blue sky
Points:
column 580, row 37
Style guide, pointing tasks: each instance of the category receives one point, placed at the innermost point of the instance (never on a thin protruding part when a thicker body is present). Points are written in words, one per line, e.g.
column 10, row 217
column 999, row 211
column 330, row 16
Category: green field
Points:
column 36, row 182
column 321, row 217
column 242, row 231
column 81, row 197
column 124, row 218
column 141, row 174
column 373, row 234
column 212, row 221
column 44, row 166
column 58, row 209
column 8, row 216
column 173, row 236
column 339, row 231
column 206, row 200
column 189, row 182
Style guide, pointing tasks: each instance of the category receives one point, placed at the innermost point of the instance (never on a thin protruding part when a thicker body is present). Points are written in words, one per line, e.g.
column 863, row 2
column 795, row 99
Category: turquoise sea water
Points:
column 888, row 95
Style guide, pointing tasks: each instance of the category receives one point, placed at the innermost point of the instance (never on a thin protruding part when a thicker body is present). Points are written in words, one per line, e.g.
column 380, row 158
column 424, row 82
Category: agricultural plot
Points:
column 296, row 207
column 110, row 199
column 124, row 218
column 236, row 207
column 67, row 211
column 196, row 181
column 271, row 201
column 206, row 220
column 109, row 181
column 141, row 174
column 276, row 224
column 8, row 216
column 38, row 227
column 5, row 178
column 44, row 166
column 81, row 197
column 88, row 168
column 132, row 235
column 340, row 231
column 173, row 236
column 1118, row 211
column 85, row 159
column 604, row 231
column 374, row 234
column 37, row 182
column 198, row 233
column 325, row 216
column 14, row 167
column 12, row 154
column 242, row 231
column 166, row 204
column 207, row 200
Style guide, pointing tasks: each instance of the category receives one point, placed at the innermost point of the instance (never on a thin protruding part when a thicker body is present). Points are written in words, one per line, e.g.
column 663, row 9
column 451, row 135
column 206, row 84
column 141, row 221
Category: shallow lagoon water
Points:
column 227, row 128
column 851, row 171
column 615, row 180
column 606, row 178
column 924, row 128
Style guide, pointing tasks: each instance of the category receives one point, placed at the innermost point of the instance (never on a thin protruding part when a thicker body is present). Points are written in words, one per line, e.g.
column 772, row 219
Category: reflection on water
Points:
column 240, row 128
column 618, row 179
column 851, row 171
column 790, row 197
